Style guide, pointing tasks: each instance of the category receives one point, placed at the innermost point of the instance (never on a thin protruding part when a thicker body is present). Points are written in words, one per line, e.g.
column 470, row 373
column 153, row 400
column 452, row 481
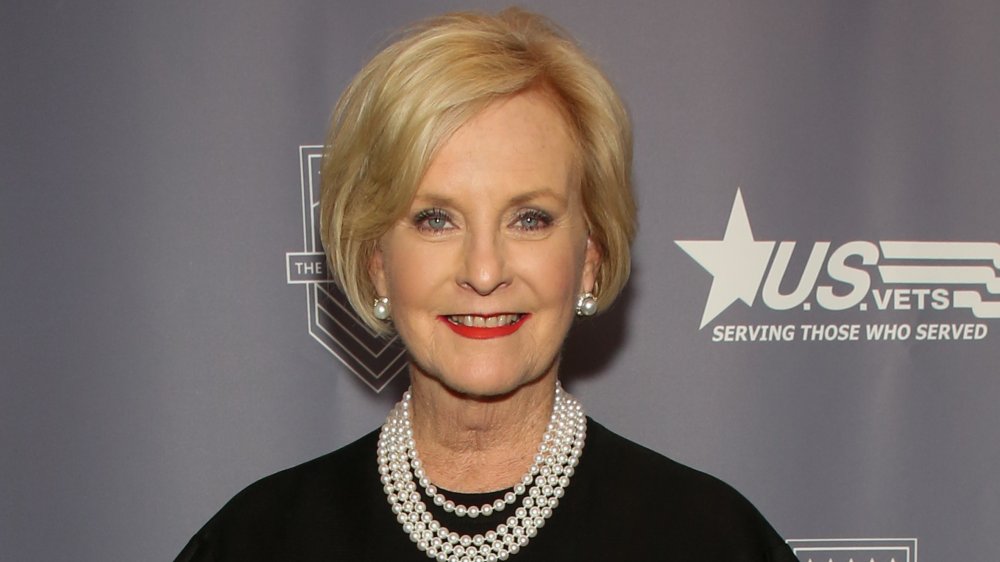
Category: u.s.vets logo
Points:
column 332, row 322
column 849, row 291
column 855, row 550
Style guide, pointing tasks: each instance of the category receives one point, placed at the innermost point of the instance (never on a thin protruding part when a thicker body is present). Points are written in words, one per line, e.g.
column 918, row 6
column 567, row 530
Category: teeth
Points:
column 484, row 322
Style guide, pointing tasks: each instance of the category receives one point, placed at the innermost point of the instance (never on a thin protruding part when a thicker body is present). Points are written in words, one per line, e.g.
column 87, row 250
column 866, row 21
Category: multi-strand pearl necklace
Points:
column 541, row 487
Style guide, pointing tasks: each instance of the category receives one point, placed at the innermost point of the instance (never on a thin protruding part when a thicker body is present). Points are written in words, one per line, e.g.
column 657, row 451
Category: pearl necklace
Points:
column 542, row 487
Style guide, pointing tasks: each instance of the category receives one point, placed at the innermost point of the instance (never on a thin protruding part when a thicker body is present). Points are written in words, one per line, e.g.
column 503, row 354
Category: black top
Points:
column 625, row 502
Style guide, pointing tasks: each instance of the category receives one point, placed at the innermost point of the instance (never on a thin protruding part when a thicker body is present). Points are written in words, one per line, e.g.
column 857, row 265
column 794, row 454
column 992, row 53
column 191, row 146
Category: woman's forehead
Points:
column 521, row 143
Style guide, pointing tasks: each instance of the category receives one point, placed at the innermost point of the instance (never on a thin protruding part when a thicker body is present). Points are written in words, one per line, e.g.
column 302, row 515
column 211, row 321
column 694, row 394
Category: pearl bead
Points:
column 402, row 475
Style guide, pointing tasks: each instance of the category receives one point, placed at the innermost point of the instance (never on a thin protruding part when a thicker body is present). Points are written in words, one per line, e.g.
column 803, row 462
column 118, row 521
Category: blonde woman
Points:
column 476, row 199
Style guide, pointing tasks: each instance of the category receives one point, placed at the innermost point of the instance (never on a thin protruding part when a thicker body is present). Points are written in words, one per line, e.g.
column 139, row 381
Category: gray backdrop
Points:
column 155, row 358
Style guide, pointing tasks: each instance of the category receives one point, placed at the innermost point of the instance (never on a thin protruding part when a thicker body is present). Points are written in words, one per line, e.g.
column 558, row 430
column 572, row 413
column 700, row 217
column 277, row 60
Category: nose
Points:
column 484, row 267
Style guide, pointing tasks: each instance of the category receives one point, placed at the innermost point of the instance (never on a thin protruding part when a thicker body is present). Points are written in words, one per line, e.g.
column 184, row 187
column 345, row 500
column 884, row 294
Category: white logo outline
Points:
column 743, row 268
column 826, row 550
column 356, row 347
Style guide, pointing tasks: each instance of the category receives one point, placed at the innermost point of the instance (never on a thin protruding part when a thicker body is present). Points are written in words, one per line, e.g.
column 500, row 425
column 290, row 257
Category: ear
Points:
column 376, row 270
column 591, row 265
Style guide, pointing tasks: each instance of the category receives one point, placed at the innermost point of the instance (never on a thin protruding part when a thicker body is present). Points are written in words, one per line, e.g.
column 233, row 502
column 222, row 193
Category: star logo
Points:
column 737, row 262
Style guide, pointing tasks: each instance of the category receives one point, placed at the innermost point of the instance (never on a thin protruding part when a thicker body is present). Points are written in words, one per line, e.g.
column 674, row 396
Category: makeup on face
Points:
column 483, row 327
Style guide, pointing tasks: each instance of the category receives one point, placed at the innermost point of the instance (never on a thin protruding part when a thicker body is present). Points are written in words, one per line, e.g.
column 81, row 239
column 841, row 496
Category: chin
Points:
column 487, row 383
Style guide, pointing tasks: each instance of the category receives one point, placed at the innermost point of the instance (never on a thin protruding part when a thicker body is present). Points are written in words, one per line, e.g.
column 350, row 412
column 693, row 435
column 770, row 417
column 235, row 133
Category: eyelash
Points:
column 544, row 219
column 423, row 218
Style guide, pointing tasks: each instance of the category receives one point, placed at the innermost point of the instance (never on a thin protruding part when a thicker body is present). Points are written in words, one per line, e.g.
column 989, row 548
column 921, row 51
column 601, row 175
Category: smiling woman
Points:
column 416, row 93
column 508, row 239
column 476, row 198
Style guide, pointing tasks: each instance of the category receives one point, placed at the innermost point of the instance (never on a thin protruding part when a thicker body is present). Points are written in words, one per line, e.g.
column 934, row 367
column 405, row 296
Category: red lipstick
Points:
column 484, row 333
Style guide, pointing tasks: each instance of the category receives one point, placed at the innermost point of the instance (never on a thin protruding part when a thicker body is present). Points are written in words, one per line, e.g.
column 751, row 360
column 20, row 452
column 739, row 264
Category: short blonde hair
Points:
column 417, row 91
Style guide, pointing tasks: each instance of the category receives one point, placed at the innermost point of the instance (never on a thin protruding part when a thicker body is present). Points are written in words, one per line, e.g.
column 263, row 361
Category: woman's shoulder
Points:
column 615, row 457
column 653, row 492
column 301, row 482
column 269, row 512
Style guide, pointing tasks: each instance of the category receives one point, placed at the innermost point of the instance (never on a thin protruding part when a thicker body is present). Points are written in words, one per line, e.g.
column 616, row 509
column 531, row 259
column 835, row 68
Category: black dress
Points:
column 625, row 502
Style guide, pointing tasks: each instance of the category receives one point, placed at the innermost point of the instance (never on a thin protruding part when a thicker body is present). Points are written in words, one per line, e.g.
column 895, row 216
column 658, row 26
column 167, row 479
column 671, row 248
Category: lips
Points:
column 484, row 326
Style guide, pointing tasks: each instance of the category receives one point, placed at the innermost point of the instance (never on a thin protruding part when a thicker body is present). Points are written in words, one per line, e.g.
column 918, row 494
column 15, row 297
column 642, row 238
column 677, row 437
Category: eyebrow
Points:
column 536, row 194
column 445, row 201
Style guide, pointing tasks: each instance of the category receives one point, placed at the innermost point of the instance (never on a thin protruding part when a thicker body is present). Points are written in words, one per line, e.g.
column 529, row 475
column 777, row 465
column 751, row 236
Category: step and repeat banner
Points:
column 813, row 316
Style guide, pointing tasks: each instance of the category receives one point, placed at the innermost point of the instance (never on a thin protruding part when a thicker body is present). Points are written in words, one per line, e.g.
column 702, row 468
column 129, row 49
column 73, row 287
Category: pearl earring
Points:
column 381, row 308
column 586, row 305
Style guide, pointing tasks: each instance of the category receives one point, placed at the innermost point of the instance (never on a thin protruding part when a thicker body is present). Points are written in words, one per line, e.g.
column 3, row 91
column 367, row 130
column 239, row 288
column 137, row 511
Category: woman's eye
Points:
column 433, row 220
column 533, row 219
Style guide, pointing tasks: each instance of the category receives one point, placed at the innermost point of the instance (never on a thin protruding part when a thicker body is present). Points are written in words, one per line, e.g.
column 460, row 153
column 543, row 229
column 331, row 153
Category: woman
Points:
column 476, row 197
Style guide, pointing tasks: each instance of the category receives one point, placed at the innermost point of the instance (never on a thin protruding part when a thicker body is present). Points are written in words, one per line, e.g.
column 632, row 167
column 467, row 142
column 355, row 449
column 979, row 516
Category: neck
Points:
column 475, row 444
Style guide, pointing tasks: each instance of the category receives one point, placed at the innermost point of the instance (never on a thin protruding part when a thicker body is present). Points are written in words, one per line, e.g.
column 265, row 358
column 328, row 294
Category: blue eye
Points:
column 434, row 220
column 533, row 219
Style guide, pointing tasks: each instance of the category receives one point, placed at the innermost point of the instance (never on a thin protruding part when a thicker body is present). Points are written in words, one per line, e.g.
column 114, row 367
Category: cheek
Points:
column 414, row 271
column 554, row 270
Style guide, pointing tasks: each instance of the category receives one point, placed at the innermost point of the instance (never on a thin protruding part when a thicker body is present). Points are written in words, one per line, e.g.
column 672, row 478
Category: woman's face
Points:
column 484, row 270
